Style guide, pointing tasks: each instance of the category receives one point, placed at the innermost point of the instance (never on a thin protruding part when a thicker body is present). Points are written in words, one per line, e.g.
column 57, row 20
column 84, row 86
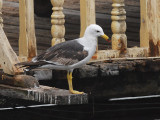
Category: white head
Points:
column 95, row 31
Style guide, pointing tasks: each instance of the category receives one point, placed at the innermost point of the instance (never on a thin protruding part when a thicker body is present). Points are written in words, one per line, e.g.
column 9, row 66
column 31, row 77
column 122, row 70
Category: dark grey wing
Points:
column 66, row 53
column 31, row 65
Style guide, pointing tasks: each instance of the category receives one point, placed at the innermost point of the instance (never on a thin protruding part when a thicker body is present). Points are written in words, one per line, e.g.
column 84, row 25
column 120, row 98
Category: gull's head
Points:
column 95, row 31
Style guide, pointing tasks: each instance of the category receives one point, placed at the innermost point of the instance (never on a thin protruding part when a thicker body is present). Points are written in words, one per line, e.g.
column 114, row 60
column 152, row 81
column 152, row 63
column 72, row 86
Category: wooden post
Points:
column 87, row 12
column 57, row 20
column 1, row 20
column 8, row 57
column 150, row 26
column 144, row 36
column 119, row 38
column 27, row 40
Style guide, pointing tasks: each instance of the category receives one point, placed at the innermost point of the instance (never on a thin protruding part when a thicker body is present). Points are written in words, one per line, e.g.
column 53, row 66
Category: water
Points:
column 99, row 107
column 142, row 109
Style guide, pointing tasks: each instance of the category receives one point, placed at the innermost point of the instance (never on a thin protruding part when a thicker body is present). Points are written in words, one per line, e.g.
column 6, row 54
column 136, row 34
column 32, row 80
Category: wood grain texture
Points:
column 23, row 81
column 87, row 14
column 44, row 94
column 8, row 57
column 27, row 39
column 57, row 20
column 131, row 53
column 150, row 27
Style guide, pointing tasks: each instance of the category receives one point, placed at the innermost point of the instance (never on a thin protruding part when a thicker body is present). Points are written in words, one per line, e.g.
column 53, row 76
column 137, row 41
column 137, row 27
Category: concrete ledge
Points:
column 44, row 94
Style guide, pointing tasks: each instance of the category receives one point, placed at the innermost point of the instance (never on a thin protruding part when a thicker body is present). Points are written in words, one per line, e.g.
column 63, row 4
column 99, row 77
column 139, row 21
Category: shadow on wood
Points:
column 24, row 81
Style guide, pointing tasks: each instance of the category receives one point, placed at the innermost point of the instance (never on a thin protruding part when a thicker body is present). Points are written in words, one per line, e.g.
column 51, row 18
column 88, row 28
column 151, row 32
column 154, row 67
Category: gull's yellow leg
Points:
column 69, row 77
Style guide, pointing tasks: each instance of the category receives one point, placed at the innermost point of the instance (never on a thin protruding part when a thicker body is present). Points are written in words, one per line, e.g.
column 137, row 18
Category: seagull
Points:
column 69, row 55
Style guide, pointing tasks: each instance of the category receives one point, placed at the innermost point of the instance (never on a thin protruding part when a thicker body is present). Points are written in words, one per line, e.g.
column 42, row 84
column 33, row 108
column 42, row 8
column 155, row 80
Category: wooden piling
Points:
column 44, row 94
column 150, row 26
column 8, row 57
column 27, row 39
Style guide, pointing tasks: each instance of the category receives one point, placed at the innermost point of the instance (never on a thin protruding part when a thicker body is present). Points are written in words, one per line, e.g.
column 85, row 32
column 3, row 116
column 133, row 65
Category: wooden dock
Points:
column 120, row 60
column 44, row 94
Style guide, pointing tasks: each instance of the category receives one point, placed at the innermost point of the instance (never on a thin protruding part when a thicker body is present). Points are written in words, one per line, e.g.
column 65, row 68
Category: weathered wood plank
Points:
column 130, row 53
column 150, row 27
column 44, row 94
column 113, row 66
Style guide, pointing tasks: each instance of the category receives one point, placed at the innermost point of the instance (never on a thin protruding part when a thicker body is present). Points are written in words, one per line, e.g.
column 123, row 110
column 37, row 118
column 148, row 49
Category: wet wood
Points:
column 113, row 66
column 144, row 36
column 44, row 94
column 119, row 38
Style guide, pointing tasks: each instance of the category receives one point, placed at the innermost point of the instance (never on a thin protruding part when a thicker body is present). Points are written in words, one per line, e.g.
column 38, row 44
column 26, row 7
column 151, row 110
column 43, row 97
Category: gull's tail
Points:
column 30, row 65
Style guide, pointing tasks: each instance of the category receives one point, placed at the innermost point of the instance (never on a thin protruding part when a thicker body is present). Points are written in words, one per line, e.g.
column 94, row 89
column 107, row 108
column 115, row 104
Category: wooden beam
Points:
column 24, row 81
column 119, row 38
column 144, row 36
column 57, row 20
column 44, row 94
column 132, row 53
column 8, row 57
column 27, row 39
column 150, row 26
column 87, row 14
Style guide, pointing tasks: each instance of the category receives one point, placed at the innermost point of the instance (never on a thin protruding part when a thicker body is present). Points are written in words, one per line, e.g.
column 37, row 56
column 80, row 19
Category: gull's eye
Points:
column 98, row 31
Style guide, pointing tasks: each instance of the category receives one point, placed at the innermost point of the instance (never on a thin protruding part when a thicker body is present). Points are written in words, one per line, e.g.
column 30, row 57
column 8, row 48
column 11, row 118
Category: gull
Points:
column 68, row 55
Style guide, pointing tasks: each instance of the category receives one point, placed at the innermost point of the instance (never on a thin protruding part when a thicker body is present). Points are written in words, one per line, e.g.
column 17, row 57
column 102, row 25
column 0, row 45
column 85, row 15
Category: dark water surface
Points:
column 99, row 107
column 143, row 109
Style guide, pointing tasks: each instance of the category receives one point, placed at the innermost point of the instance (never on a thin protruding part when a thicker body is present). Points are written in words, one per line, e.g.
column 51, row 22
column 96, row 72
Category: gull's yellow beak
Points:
column 105, row 37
